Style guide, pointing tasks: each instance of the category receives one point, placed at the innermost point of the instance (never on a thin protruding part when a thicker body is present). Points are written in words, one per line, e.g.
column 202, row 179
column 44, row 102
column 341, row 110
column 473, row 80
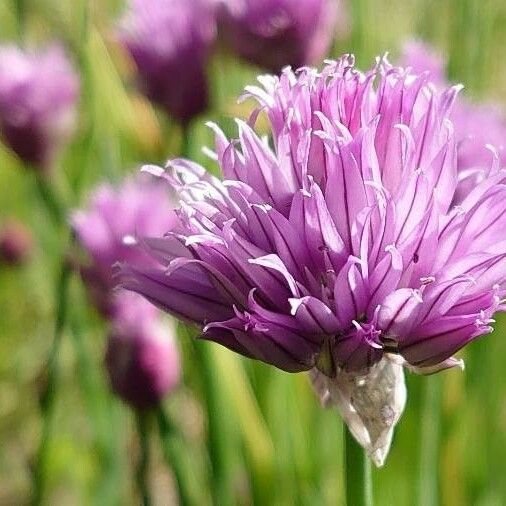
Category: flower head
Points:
column 169, row 41
column 141, row 357
column 338, row 248
column 275, row 33
column 38, row 95
column 106, row 230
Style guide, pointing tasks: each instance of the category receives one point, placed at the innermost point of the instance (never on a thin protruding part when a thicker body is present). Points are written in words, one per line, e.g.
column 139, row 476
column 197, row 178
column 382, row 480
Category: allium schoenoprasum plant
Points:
column 345, row 248
column 235, row 430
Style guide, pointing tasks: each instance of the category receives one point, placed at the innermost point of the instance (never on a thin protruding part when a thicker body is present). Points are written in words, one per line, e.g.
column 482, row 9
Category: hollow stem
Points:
column 429, row 443
column 55, row 210
column 358, row 473
column 47, row 402
column 20, row 10
column 142, row 473
column 54, row 207
column 178, row 458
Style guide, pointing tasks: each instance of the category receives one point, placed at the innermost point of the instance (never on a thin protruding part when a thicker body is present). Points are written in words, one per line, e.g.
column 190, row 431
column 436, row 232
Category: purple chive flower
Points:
column 338, row 248
column 16, row 242
column 38, row 95
column 106, row 230
column 276, row 33
column 141, row 357
column 169, row 41
column 480, row 129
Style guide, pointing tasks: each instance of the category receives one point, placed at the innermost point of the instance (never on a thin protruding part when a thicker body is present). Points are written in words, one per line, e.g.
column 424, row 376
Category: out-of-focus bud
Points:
column 276, row 33
column 169, row 41
column 141, row 358
column 38, row 96
column 110, row 227
column 16, row 243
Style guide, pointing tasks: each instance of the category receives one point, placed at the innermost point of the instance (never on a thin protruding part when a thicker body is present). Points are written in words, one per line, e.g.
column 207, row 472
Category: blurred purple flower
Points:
column 169, row 41
column 141, row 358
column 276, row 33
column 38, row 95
column 422, row 58
column 107, row 230
column 338, row 249
column 480, row 129
column 16, row 242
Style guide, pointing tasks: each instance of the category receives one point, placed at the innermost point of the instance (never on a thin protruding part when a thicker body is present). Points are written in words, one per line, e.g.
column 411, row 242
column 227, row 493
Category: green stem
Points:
column 179, row 460
column 48, row 397
column 52, row 203
column 56, row 211
column 95, row 399
column 20, row 10
column 358, row 473
column 361, row 34
column 429, row 443
column 142, row 473
column 185, row 140
column 220, row 451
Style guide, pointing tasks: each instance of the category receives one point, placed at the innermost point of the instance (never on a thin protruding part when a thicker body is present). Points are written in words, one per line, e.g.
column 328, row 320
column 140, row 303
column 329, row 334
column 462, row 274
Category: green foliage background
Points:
column 259, row 430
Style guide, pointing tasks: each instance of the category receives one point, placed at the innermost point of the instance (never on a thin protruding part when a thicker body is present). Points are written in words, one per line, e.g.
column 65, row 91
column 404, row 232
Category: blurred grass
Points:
column 282, row 448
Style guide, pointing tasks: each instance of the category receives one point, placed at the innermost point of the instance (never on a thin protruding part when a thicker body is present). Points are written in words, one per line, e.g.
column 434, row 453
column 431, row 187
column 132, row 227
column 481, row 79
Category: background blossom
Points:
column 38, row 95
column 169, row 41
column 107, row 227
column 275, row 33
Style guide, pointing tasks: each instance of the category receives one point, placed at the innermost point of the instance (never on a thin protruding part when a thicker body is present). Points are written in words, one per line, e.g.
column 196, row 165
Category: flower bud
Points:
column 141, row 358
column 16, row 243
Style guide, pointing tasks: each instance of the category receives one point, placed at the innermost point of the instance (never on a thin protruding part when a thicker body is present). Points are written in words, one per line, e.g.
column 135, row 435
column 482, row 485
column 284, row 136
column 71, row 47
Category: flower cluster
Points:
column 338, row 248
column 38, row 95
column 141, row 358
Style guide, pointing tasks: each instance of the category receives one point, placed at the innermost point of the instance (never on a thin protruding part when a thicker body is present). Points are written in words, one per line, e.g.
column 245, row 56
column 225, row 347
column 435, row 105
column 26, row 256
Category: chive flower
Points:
column 276, row 33
column 38, row 95
column 170, row 41
column 105, row 229
column 337, row 247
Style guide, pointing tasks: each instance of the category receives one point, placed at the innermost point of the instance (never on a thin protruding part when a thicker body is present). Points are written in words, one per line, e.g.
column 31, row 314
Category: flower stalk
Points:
column 142, row 473
column 429, row 443
column 52, row 368
column 358, row 473
column 178, row 459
